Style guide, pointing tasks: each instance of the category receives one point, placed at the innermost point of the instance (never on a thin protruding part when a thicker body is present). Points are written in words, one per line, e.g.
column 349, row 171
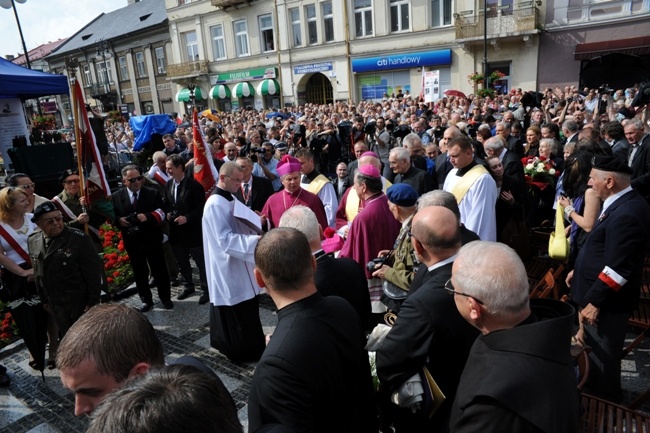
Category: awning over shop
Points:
column 268, row 87
column 243, row 89
column 220, row 91
column 183, row 95
column 634, row 46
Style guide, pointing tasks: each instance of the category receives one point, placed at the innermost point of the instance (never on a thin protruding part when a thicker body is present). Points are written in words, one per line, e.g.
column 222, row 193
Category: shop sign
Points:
column 245, row 75
column 402, row 61
column 49, row 107
column 312, row 67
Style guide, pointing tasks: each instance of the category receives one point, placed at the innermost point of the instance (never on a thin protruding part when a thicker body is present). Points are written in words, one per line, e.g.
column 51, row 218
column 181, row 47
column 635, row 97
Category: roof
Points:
column 133, row 18
column 39, row 52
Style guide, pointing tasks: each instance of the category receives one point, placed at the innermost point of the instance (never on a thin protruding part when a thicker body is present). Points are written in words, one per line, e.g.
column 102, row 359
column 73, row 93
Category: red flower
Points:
column 109, row 280
column 116, row 274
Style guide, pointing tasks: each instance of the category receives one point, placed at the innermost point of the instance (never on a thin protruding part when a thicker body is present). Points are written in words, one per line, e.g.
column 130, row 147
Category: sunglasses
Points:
column 134, row 179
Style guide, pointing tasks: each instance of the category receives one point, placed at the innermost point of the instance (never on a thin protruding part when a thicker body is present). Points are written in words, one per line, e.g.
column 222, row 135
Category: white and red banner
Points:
column 204, row 170
column 91, row 161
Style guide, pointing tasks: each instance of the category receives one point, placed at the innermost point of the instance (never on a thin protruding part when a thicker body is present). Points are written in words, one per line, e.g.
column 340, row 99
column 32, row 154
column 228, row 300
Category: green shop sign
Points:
column 245, row 75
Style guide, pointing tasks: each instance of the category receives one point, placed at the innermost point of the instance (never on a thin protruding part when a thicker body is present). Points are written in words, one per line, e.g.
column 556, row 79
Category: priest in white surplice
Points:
column 229, row 246
column 474, row 189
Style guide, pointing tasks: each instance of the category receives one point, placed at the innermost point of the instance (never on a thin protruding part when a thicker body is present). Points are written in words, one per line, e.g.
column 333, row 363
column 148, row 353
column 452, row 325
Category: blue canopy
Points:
column 144, row 126
column 19, row 82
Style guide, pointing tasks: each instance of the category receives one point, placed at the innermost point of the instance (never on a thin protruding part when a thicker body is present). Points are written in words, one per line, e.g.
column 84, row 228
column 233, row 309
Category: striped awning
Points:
column 220, row 91
column 268, row 87
column 183, row 95
column 243, row 89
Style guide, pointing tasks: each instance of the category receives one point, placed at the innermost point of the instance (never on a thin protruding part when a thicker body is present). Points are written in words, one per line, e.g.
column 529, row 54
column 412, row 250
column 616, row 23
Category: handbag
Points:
column 558, row 244
column 14, row 286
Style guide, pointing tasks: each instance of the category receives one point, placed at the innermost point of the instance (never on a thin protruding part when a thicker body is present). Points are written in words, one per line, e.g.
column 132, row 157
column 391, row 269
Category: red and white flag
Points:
column 204, row 170
column 91, row 161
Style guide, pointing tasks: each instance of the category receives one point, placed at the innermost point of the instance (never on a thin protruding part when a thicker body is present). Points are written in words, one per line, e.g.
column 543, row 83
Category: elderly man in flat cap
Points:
column 607, row 277
column 67, row 268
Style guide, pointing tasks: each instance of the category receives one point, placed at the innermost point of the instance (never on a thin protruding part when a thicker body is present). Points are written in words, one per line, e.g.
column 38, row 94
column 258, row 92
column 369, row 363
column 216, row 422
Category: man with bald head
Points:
column 429, row 330
column 443, row 165
column 517, row 378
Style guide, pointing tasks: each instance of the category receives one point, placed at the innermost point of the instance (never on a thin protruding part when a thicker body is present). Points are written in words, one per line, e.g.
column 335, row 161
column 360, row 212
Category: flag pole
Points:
column 71, row 65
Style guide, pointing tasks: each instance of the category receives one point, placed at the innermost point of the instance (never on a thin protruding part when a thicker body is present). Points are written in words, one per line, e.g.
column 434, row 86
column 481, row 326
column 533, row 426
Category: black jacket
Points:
column 521, row 379
column 189, row 202
column 261, row 190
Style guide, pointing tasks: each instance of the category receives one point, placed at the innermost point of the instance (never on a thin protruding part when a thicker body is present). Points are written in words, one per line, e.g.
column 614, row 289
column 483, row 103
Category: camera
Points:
column 173, row 214
column 372, row 265
column 132, row 219
column 401, row 131
column 370, row 128
column 642, row 97
column 254, row 152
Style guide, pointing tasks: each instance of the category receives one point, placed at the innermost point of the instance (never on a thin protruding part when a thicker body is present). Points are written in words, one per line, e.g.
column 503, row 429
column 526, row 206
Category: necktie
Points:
column 135, row 200
column 246, row 193
column 633, row 149
column 175, row 191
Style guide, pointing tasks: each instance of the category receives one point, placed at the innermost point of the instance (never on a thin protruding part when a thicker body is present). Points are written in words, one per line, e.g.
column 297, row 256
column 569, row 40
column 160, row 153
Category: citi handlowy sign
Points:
column 401, row 61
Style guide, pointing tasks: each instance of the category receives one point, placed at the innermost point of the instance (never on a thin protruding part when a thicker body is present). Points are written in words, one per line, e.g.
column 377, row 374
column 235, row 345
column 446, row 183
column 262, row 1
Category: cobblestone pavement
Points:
column 31, row 405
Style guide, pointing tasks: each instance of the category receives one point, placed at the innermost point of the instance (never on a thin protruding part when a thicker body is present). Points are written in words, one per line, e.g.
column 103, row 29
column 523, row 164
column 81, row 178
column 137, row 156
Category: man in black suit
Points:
column 607, row 277
column 314, row 374
column 254, row 190
column 334, row 277
column 138, row 214
column 443, row 165
column 639, row 157
column 413, row 143
column 512, row 143
column 400, row 162
column 429, row 330
column 185, row 202
column 342, row 180
column 614, row 135
column 447, row 200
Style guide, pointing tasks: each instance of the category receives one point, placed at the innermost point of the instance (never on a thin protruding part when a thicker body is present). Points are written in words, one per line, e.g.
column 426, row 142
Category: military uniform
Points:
column 68, row 273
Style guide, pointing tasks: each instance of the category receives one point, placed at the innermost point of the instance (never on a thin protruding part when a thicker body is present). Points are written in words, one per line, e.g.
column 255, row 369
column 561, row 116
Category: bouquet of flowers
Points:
column 8, row 330
column 539, row 171
column 116, row 261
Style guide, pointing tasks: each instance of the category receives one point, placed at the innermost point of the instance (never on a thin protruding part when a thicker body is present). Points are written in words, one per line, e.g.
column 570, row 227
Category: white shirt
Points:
column 478, row 207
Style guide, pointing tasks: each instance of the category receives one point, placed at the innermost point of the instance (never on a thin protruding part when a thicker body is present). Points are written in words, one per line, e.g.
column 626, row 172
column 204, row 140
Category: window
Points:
column 104, row 72
column 161, row 65
column 312, row 32
column 363, row 17
column 328, row 21
column 124, row 69
column 191, row 47
column 139, row 64
column 440, row 13
column 241, row 38
column 496, row 6
column 266, row 33
column 218, row 42
column 295, row 27
column 88, row 79
column 399, row 15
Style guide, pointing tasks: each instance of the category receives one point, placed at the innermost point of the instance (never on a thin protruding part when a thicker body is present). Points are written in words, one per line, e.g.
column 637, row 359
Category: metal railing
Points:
column 522, row 19
column 228, row 3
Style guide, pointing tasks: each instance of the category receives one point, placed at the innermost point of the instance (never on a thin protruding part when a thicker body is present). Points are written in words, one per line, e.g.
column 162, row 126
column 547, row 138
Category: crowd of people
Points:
column 345, row 212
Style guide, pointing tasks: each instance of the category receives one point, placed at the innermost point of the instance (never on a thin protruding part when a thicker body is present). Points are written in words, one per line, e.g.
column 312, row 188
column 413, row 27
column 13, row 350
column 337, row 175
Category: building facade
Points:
column 122, row 60
column 577, row 31
column 265, row 54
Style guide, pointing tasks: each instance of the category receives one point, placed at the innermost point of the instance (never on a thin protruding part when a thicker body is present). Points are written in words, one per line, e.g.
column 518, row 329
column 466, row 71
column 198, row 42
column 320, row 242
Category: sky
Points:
column 46, row 21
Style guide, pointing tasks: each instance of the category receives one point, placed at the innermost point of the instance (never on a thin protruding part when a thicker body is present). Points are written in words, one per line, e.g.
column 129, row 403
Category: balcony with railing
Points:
column 98, row 90
column 187, row 69
column 598, row 10
column 500, row 22
column 225, row 4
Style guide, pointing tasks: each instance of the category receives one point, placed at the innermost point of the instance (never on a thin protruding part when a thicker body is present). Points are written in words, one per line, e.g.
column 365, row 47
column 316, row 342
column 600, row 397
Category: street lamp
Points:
column 103, row 53
column 6, row 4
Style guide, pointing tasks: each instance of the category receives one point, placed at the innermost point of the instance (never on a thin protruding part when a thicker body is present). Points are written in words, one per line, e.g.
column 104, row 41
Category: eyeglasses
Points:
column 450, row 289
column 27, row 186
column 70, row 182
column 53, row 220
column 134, row 179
